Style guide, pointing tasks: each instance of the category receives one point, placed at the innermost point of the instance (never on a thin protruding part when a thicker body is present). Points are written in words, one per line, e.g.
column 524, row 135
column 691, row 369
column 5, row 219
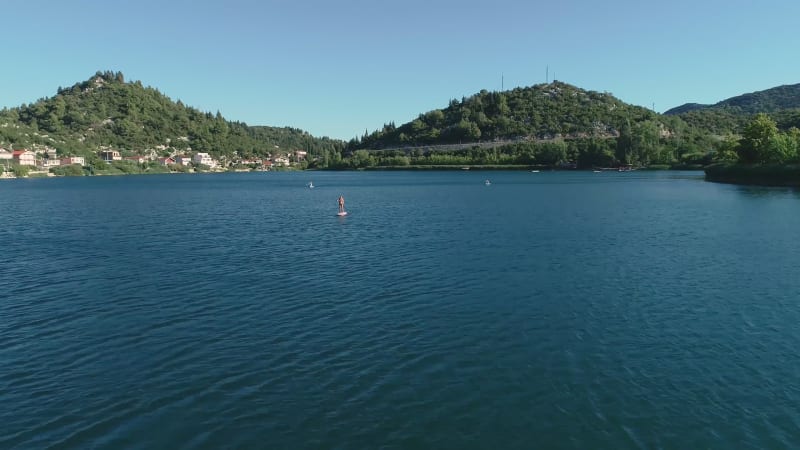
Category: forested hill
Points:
column 541, row 111
column 767, row 101
column 106, row 111
column 731, row 115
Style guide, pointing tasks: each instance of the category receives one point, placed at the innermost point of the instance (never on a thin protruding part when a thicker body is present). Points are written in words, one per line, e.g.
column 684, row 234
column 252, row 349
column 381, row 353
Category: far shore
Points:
column 755, row 174
column 442, row 167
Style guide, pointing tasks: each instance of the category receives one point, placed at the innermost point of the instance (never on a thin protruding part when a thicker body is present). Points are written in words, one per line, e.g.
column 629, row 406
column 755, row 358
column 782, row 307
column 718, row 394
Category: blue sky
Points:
column 339, row 68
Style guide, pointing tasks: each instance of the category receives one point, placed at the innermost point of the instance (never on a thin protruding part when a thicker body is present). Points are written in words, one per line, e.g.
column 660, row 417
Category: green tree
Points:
column 624, row 150
column 645, row 145
column 362, row 158
column 727, row 150
column 20, row 171
column 757, row 144
column 551, row 153
column 782, row 148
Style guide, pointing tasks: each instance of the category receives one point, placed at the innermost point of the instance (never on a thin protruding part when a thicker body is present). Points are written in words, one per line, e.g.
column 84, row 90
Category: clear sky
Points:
column 338, row 68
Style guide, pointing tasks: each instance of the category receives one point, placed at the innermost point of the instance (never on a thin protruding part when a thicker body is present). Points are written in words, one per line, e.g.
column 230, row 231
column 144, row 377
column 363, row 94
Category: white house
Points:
column 73, row 160
column 281, row 161
column 110, row 155
column 204, row 159
column 183, row 160
column 5, row 155
column 137, row 159
column 50, row 162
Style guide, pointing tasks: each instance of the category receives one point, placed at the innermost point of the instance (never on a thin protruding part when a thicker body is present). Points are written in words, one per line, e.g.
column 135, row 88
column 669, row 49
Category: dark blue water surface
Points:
column 547, row 310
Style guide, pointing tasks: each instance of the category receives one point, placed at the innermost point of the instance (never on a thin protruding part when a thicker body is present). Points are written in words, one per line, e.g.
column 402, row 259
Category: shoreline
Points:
column 410, row 168
column 771, row 175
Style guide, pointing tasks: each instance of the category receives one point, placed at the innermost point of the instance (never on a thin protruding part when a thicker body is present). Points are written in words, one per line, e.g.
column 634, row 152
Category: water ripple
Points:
column 571, row 311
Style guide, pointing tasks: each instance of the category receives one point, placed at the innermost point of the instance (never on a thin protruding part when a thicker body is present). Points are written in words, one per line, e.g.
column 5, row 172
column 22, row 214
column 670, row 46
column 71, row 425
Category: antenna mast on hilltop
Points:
column 502, row 82
column 547, row 75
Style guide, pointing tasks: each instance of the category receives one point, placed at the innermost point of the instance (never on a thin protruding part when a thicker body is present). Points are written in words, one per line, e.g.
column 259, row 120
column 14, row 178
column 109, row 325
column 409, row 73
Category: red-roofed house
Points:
column 24, row 157
column 166, row 161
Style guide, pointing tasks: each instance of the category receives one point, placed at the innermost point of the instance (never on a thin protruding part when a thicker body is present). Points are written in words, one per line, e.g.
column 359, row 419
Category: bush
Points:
column 127, row 167
column 156, row 168
column 755, row 174
column 657, row 167
column 20, row 171
column 73, row 170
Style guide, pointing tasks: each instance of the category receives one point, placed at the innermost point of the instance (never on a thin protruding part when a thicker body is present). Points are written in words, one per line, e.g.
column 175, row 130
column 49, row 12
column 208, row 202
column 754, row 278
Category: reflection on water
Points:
column 768, row 191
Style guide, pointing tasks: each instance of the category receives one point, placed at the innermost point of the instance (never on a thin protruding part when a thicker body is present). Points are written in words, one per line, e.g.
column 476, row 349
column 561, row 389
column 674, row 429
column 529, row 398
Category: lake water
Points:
column 547, row 310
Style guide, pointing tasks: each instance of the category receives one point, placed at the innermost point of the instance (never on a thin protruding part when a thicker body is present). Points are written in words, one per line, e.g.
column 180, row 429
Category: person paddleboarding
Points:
column 341, row 205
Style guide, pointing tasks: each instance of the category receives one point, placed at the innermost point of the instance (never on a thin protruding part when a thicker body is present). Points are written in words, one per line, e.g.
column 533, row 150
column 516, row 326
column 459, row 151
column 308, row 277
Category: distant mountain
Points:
column 542, row 111
column 767, row 101
column 686, row 107
column 106, row 111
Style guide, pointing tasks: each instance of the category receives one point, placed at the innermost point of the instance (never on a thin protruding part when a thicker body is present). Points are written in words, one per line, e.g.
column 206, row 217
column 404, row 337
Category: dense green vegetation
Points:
column 106, row 111
column 545, row 125
column 542, row 111
column 767, row 101
column 732, row 115
column 763, row 155
column 761, row 175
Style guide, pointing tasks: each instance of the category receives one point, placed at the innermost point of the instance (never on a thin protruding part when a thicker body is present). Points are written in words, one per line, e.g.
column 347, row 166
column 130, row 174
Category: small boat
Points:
column 534, row 171
column 311, row 185
column 487, row 182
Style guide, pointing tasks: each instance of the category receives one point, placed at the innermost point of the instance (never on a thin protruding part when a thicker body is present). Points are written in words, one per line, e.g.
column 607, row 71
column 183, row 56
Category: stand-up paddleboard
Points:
column 341, row 214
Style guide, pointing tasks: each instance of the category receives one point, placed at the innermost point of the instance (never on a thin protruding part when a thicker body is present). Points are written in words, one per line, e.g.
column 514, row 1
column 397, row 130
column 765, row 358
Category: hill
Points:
column 767, row 101
column 539, row 112
column 685, row 108
column 106, row 111
column 731, row 115
column 553, row 124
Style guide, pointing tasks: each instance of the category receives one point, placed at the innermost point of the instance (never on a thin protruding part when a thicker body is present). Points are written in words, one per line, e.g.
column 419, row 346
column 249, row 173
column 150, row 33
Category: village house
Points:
column 166, row 161
column 50, row 162
column 281, row 161
column 267, row 164
column 204, row 159
column 5, row 156
column 69, row 160
column 24, row 157
column 300, row 155
column 136, row 159
column 110, row 155
column 183, row 160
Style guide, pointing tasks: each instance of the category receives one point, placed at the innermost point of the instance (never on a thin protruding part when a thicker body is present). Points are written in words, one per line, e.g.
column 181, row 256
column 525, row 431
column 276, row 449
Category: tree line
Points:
column 107, row 111
column 552, row 124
